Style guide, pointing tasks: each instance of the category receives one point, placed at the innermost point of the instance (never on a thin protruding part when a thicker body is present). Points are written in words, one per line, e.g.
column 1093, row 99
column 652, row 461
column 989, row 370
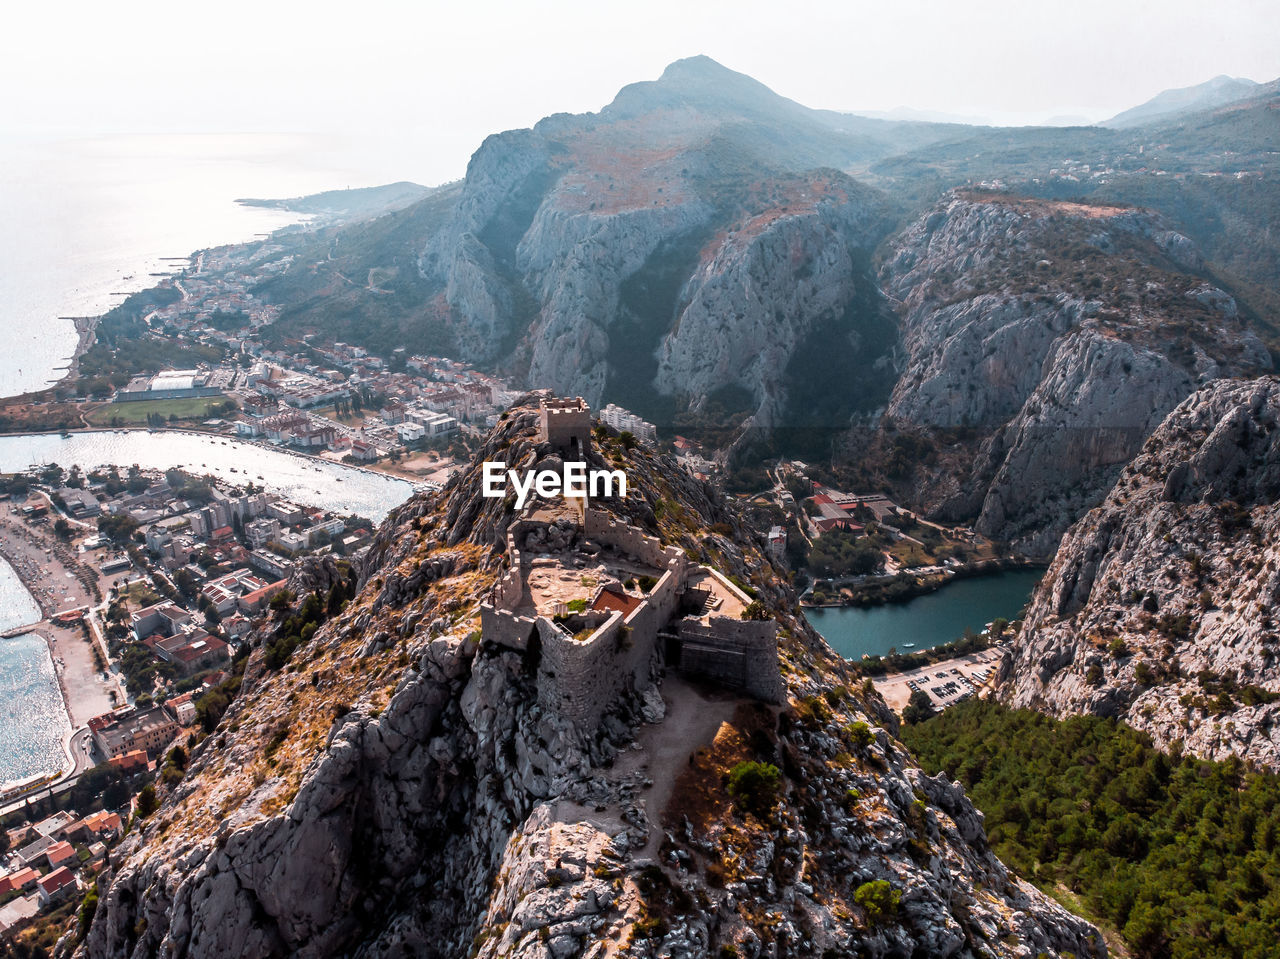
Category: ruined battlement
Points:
column 740, row 654
column 582, row 676
column 566, row 425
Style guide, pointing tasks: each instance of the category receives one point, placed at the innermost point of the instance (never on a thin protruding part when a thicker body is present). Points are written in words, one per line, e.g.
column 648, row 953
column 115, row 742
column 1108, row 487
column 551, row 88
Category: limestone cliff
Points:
column 1050, row 338
column 1158, row 607
column 686, row 239
column 398, row 787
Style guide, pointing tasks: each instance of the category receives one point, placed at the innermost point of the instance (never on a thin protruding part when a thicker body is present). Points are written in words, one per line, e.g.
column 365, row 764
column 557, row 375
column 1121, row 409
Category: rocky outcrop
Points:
column 757, row 296
column 397, row 788
column 1158, row 607
column 675, row 243
column 1057, row 334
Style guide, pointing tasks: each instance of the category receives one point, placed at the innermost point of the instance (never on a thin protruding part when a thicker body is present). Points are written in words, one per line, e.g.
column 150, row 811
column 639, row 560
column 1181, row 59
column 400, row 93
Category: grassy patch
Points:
column 135, row 414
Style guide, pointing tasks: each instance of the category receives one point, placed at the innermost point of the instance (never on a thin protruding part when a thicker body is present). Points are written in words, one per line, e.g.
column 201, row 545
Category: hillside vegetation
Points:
column 1178, row 853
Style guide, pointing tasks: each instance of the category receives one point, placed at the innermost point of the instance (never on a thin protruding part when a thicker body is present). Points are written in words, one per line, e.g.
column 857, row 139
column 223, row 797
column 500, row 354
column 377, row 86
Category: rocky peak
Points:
column 1157, row 608
column 401, row 784
column 701, row 83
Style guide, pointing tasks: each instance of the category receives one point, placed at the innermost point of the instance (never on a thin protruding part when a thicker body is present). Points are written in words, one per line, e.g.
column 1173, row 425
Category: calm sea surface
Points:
column 930, row 620
column 33, row 719
column 17, row 607
column 83, row 219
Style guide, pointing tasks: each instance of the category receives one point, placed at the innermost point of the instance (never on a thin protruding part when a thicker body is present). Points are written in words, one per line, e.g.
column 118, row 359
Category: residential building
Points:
column 260, row 532
column 410, row 432
column 55, row 826
column 80, row 503
column 286, row 512
column 621, row 419
column 23, row 878
column 135, row 760
column 183, row 708
column 271, row 564
column 225, row 592
column 193, row 652
column 60, row 854
column 777, row 542
column 34, row 851
column 164, row 618
column 125, row 730
column 56, row 885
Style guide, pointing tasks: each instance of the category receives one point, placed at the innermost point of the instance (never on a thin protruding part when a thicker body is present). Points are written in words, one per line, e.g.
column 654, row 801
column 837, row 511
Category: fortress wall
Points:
column 581, row 679
column 741, row 654
column 729, row 585
column 508, row 592
column 666, row 595
column 605, row 529
column 505, row 628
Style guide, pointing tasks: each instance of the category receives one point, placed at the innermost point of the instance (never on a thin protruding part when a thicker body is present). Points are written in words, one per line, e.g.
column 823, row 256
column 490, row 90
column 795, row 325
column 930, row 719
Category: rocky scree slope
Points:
column 396, row 789
column 1043, row 342
column 1159, row 607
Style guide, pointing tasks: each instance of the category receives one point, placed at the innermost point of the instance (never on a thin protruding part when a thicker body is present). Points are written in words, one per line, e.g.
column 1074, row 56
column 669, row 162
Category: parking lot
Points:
column 947, row 682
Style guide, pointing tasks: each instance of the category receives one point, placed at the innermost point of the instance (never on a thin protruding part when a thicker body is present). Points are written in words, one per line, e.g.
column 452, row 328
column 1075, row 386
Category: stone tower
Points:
column 566, row 425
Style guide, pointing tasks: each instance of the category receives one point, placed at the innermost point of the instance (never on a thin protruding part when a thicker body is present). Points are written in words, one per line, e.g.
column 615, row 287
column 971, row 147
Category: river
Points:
column 930, row 620
column 305, row 479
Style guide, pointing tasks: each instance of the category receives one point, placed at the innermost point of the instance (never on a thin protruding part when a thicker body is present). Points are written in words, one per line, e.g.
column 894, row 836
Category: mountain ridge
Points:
column 1158, row 606
column 1218, row 91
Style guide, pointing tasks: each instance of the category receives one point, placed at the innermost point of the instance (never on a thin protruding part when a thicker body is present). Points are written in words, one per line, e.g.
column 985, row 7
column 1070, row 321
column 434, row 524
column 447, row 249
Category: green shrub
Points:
column 879, row 899
column 755, row 785
column 860, row 734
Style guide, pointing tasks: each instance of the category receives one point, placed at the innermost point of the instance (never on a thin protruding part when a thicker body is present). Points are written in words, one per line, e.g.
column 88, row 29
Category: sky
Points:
column 399, row 90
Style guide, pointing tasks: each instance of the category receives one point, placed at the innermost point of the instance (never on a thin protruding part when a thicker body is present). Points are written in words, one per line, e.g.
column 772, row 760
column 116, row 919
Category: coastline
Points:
column 85, row 693
column 86, row 336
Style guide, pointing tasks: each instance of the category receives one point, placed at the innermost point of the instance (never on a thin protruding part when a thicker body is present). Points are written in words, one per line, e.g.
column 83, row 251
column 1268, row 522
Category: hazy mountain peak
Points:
column 703, row 83
column 1220, row 90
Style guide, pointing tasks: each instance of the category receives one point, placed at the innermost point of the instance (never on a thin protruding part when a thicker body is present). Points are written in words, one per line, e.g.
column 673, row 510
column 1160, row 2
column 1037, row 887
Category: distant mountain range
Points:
column 717, row 257
column 1203, row 96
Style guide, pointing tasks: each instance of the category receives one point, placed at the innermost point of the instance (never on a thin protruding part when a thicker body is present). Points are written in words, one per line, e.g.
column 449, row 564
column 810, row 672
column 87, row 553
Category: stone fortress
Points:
column 605, row 606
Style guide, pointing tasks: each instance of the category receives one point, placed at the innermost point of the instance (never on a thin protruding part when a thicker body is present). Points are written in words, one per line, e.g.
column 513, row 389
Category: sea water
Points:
column 86, row 218
column 33, row 716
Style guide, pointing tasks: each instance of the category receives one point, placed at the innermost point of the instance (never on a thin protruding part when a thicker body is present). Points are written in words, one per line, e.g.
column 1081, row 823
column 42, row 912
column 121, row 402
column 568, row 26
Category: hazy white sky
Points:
column 419, row 85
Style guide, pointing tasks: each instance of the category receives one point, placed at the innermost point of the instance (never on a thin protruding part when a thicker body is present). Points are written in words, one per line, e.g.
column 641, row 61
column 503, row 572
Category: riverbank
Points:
column 226, row 437
column 903, row 587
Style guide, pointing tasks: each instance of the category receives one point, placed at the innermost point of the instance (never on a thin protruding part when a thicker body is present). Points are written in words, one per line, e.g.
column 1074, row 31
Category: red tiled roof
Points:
column 18, row 880
column 57, row 879
column 611, row 599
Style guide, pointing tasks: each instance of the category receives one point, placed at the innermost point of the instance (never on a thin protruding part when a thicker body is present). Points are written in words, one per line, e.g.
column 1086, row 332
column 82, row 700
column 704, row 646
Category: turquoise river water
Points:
column 930, row 620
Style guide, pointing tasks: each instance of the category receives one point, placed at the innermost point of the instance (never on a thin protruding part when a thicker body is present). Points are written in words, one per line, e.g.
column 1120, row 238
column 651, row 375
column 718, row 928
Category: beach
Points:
column 56, row 580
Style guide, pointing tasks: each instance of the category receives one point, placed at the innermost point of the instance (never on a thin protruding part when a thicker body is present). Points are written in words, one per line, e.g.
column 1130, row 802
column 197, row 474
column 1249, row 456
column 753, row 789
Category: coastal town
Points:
column 148, row 586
